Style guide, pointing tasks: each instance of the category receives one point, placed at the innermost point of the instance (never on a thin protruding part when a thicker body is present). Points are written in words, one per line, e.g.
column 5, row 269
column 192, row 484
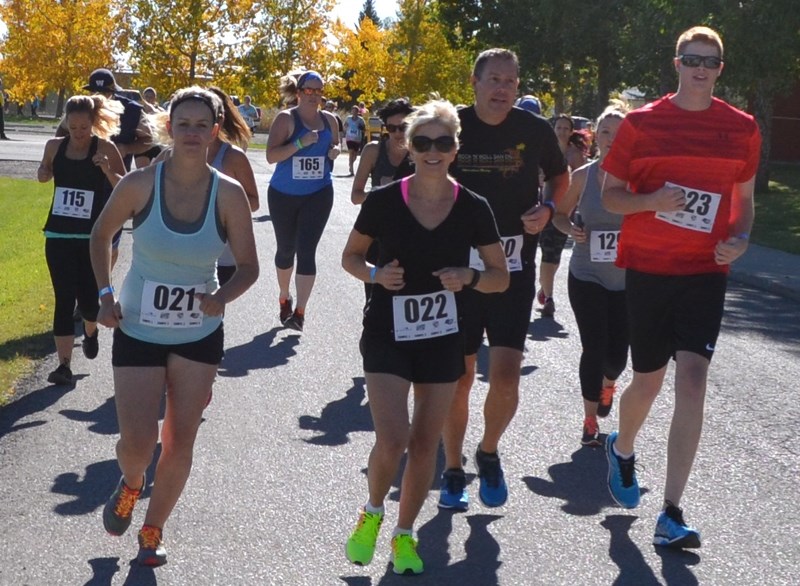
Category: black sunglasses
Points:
column 396, row 127
column 443, row 144
column 709, row 62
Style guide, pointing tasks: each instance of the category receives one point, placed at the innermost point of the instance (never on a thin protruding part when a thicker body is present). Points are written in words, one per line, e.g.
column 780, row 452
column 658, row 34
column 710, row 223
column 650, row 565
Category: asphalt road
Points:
column 280, row 459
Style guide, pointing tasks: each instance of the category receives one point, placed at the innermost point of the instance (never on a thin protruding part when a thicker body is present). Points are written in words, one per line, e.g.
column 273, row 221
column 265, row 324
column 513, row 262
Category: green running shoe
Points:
column 361, row 546
column 404, row 555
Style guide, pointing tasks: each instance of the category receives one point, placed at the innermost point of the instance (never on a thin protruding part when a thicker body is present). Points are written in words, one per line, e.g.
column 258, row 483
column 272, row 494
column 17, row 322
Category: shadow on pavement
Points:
column 542, row 329
column 633, row 568
column 339, row 418
column 140, row 575
column 103, row 418
column 34, row 402
column 103, row 571
column 259, row 353
column 675, row 566
column 91, row 491
column 750, row 310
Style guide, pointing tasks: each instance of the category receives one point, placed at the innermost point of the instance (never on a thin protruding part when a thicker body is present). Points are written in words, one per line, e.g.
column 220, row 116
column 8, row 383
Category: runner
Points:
column 682, row 171
column 425, row 225
column 304, row 142
column 79, row 164
column 168, row 321
column 596, row 285
column 502, row 148
column 354, row 129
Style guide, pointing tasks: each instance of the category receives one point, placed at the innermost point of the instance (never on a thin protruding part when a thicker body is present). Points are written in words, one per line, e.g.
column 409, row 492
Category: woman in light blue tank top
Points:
column 168, row 320
column 303, row 142
column 596, row 286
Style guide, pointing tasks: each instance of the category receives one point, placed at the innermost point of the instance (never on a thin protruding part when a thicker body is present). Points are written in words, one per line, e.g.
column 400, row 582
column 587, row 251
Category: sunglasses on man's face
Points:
column 308, row 91
column 443, row 144
column 709, row 62
column 396, row 127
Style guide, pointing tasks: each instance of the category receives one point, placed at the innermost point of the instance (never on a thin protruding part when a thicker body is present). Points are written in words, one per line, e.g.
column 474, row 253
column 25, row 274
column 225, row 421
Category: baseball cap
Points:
column 102, row 80
column 530, row 103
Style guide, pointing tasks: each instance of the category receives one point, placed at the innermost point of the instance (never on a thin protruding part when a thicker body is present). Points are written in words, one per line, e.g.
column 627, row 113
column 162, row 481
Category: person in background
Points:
column 250, row 114
column 330, row 106
column 596, row 286
column 79, row 164
column 687, row 199
column 354, row 130
column 303, row 143
column 552, row 241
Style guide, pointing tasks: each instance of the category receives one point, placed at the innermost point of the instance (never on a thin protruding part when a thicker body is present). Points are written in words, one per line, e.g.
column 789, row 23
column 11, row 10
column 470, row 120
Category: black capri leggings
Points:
column 298, row 222
column 603, row 325
column 70, row 269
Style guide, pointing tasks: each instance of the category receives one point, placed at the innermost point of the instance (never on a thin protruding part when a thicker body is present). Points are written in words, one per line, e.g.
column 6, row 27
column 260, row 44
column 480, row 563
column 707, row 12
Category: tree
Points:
column 177, row 43
column 285, row 35
column 363, row 63
column 55, row 45
column 368, row 11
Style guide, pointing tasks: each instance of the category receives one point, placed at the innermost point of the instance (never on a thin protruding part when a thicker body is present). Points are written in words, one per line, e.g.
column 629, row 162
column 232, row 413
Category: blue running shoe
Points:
column 493, row 491
column 453, row 493
column 622, row 483
column 672, row 530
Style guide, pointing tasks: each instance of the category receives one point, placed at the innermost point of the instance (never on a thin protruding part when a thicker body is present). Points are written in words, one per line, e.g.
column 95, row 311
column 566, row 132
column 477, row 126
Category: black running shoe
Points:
column 286, row 310
column 119, row 508
column 295, row 322
column 90, row 345
column 60, row 376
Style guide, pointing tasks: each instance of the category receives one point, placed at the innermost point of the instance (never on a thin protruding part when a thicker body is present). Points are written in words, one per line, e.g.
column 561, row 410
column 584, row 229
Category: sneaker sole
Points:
column 690, row 541
column 58, row 380
column 458, row 507
column 595, row 443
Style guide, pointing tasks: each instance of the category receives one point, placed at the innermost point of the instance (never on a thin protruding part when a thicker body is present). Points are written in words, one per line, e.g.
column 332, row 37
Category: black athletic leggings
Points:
column 603, row 326
column 298, row 222
column 71, row 273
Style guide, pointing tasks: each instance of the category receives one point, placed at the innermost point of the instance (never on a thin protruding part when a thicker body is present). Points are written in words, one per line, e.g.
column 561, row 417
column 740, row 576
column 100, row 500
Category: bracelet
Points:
column 476, row 276
column 743, row 236
column 298, row 144
column 372, row 272
column 105, row 291
column 550, row 204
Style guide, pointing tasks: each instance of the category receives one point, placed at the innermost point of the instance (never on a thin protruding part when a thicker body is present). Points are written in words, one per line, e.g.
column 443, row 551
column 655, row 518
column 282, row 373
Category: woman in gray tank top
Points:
column 596, row 286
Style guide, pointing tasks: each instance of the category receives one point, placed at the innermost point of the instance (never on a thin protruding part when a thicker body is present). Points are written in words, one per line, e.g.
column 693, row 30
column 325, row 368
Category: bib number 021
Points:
column 171, row 306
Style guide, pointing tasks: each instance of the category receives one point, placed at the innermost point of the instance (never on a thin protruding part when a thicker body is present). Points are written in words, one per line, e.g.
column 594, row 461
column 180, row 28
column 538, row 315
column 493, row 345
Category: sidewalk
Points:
column 768, row 269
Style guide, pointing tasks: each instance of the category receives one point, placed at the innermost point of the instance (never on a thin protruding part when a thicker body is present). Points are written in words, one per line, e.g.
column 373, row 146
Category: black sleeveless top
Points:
column 79, row 193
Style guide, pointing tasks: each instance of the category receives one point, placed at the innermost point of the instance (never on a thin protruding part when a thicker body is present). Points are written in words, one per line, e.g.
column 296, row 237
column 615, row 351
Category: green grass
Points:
column 26, row 299
column 777, row 222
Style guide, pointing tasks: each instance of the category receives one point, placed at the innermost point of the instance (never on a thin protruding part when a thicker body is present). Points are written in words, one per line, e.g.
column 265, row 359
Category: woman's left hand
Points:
column 210, row 305
column 454, row 278
column 102, row 161
column 333, row 152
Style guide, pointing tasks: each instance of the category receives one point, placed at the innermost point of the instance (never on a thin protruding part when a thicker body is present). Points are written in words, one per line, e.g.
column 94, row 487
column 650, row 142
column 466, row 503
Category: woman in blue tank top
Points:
column 79, row 164
column 303, row 141
column 168, row 320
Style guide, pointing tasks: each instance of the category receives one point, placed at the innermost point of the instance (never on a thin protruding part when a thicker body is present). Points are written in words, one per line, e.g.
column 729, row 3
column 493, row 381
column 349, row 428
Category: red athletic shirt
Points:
column 706, row 153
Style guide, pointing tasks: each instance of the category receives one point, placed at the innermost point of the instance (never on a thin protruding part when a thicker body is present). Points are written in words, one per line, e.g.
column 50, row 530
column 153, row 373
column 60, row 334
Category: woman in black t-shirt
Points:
column 425, row 225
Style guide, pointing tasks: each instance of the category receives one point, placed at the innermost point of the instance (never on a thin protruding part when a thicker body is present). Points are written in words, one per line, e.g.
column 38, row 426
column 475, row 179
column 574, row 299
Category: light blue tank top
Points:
column 309, row 169
column 171, row 260
column 603, row 226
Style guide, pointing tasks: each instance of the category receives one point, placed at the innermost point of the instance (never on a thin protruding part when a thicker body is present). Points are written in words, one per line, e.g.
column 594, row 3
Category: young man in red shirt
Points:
column 682, row 172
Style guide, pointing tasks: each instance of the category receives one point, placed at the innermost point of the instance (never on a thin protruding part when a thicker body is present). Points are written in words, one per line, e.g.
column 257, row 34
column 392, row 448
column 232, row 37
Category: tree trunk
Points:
column 62, row 92
column 762, row 111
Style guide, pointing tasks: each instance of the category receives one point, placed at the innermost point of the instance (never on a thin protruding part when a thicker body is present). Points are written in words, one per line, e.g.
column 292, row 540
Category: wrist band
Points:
column 372, row 273
column 550, row 204
column 298, row 144
column 476, row 276
column 743, row 236
column 105, row 291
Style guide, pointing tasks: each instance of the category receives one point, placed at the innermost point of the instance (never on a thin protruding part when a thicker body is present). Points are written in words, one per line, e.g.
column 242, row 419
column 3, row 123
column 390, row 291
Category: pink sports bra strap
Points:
column 404, row 189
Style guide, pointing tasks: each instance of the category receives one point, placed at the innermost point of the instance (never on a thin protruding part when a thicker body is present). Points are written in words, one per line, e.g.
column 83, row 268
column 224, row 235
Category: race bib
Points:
column 171, row 306
column 418, row 317
column 699, row 212
column 603, row 245
column 512, row 247
column 308, row 167
column 73, row 203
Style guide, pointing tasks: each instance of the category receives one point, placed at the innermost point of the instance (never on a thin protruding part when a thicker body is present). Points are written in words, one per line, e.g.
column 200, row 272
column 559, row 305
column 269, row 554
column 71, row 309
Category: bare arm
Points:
column 567, row 203
column 240, row 169
column 110, row 161
column 45, row 171
column 389, row 276
column 742, row 214
column 619, row 200
column 144, row 139
column 334, row 149
column 493, row 279
column 366, row 164
column 536, row 218
column 278, row 149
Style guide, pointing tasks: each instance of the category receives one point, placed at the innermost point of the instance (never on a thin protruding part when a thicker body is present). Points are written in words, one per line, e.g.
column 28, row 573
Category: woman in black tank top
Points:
column 80, row 163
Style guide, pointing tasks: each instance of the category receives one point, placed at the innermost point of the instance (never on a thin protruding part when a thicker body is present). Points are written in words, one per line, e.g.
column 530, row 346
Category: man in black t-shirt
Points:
column 502, row 148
